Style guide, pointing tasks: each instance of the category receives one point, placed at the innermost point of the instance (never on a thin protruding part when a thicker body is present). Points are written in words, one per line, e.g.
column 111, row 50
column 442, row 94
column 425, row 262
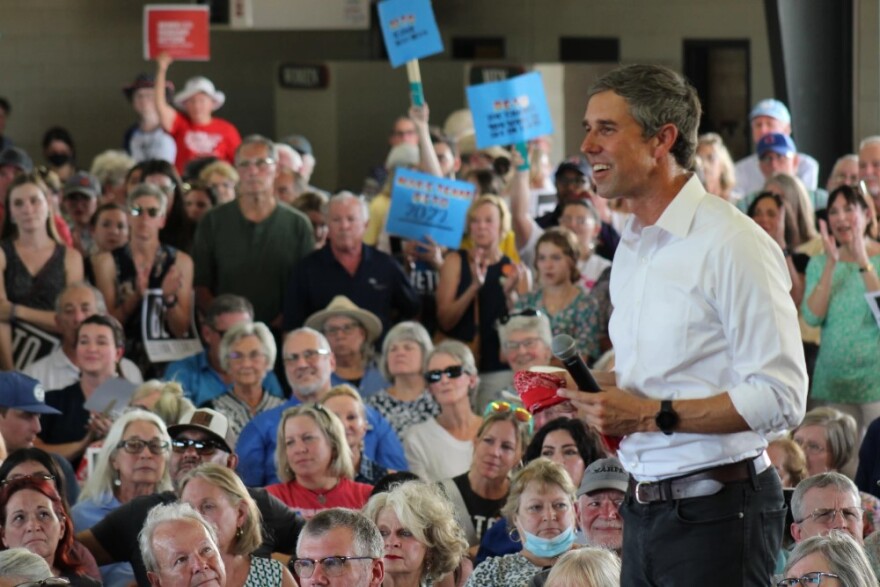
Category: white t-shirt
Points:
column 434, row 454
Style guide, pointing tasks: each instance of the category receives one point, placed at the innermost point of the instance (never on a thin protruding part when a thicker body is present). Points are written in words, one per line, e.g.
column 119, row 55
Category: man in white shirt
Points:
column 58, row 369
column 766, row 117
column 708, row 351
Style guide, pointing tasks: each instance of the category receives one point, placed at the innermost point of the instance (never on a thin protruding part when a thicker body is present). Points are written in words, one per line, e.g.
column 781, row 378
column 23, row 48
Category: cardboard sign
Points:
column 424, row 205
column 409, row 29
column 111, row 398
column 510, row 111
column 180, row 30
column 160, row 346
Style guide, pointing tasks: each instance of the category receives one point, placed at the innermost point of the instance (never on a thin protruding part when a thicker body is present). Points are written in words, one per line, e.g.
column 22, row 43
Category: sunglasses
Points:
column 525, row 313
column 521, row 414
column 453, row 372
column 35, row 477
column 203, row 447
column 140, row 210
column 134, row 446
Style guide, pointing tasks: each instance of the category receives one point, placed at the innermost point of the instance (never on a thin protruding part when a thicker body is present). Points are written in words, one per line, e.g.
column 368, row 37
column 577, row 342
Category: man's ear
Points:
column 666, row 137
column 796, row 531
column 378, row 573
column 154, row 579
column 232, row 461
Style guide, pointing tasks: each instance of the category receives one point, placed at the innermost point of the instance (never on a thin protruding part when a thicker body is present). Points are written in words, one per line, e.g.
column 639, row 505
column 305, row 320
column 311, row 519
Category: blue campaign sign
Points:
column 409, row 29
column 510, row 111
column 424, row 205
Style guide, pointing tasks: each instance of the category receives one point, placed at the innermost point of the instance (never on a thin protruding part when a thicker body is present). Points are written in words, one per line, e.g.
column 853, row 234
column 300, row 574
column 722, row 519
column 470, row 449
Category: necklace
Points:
column 321, row 495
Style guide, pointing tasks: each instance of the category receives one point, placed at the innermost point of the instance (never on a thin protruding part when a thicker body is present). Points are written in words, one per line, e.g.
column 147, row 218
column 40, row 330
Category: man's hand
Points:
column 613, row 411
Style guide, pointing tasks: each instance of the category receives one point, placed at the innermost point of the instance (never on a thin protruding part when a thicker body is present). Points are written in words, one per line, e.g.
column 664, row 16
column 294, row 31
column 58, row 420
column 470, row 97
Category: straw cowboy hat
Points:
column 342, row 306
column 199, row 84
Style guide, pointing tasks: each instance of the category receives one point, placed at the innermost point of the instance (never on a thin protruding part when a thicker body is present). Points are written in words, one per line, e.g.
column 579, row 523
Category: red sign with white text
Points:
column 183, row 31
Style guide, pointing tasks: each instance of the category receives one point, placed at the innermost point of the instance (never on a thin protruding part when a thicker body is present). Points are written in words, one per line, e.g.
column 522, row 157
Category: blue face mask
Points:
column 549, row 547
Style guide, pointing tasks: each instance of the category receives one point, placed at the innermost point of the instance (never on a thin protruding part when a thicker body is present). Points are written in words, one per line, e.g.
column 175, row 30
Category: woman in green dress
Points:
column 848, row 366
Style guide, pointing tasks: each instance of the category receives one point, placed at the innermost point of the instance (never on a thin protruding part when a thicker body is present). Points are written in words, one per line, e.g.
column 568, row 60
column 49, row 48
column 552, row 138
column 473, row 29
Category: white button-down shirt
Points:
column 56, row 371
column 702, row 306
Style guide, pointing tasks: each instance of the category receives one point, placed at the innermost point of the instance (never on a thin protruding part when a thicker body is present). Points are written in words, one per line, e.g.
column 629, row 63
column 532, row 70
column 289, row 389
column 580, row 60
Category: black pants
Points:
column 730, row 538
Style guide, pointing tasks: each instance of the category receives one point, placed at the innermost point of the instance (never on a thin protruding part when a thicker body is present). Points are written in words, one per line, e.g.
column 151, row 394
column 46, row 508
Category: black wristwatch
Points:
column 666, row 419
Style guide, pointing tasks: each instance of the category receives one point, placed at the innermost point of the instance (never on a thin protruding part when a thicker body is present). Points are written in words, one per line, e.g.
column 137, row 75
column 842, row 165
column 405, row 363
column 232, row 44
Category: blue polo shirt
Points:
column 201, row 383
column 379, row 285
column 256, row 445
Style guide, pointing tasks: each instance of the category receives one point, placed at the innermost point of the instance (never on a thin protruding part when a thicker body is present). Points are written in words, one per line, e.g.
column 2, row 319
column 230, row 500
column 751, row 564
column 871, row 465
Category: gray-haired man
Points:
column 340, row 547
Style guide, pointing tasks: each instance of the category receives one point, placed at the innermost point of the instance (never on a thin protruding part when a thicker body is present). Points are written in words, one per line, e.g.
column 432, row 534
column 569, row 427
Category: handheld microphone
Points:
column 565, row 349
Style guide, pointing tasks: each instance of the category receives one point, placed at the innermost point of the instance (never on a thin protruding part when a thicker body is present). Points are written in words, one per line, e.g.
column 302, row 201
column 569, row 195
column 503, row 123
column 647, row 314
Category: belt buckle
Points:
column 636, row 492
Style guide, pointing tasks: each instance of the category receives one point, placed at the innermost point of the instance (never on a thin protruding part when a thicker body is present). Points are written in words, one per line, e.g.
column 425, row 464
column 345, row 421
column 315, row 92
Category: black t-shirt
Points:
column 483, row 512
column 70, row 425
column 118, row 532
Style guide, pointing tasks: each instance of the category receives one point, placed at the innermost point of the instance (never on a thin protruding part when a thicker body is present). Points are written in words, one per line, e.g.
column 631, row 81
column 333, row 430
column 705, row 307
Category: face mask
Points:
column 549, row 547
column 58, row 159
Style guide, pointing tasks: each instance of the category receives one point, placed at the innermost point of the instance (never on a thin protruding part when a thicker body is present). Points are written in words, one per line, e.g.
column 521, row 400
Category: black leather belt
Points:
column 698, row 484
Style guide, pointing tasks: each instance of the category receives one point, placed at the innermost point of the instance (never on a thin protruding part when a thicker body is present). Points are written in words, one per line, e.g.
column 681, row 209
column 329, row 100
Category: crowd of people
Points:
column 213, row 371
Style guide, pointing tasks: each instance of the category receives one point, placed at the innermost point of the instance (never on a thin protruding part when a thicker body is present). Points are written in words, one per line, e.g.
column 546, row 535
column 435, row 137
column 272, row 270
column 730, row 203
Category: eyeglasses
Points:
column 528, row 344
column 203, row 447
column 526, row 313
column 333, row 566
column 50, row 582
column 261, row 164
column 453, row 372
column 575, row 220
column 345, row 328
column 519, row 413
column 140, row 210
column 814, row 578
column 253, row 356
column 827, row 516
column 810, row 447
column 309, row 355
column 35, row 477
column 135, row 446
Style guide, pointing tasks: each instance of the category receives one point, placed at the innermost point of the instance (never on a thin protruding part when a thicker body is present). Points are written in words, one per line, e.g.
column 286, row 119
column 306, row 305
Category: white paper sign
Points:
column 160, row 345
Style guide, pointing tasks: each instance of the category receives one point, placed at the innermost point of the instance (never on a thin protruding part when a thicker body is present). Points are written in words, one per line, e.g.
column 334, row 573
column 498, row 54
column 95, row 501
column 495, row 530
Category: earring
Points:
column 238, row 533
column 117, row 482
column 513, row 534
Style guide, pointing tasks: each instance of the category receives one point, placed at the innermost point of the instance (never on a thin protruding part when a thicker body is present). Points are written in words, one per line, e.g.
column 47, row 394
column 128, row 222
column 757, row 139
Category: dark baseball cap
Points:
column 17, row 158
column 23, row 393
column 83, row 183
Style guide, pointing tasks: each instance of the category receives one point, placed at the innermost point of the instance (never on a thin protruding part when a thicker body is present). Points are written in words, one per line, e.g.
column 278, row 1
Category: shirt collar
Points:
column 678, row 216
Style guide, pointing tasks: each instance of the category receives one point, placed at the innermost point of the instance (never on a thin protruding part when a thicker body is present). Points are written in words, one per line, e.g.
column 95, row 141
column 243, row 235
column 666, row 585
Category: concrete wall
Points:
column 64, row 61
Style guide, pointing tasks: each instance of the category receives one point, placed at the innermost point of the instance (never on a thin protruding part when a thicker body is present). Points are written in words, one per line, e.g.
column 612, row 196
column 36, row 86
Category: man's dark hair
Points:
column 5, row 105
column 227, row 304
column 655, row 96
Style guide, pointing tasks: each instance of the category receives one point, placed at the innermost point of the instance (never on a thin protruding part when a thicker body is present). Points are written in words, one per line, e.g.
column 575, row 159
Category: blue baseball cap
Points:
column 776, row 142
column 773, row 109
column 23, row 393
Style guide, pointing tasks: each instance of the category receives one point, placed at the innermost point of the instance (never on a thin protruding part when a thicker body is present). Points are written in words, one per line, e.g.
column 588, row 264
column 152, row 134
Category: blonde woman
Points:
column 479, row 285
column 218, row 494
column 163, row 398
column 423, row 542
column 314, row 463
